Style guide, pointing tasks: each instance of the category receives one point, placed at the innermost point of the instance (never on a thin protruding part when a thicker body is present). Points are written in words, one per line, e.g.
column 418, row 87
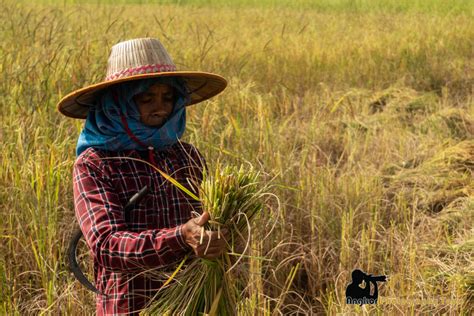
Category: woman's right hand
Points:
column 211, row 240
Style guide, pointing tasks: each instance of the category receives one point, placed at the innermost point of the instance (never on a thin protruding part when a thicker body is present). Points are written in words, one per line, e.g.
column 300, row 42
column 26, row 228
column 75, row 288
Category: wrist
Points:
column 181, row 236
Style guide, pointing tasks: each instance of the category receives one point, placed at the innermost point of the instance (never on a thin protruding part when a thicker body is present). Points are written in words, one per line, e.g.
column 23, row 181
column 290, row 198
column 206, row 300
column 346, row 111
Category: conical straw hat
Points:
column 140, row 59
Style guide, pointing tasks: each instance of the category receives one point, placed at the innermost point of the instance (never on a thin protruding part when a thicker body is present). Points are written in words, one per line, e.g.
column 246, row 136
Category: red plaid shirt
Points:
column 152, row 238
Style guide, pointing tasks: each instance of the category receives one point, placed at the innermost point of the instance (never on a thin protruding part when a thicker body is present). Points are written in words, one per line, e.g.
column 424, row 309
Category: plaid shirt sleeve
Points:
column 101, row 219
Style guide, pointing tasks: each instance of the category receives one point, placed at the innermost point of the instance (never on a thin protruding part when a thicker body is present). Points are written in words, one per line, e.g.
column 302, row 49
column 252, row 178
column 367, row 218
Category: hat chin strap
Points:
column 129, row 131
column 151, row 156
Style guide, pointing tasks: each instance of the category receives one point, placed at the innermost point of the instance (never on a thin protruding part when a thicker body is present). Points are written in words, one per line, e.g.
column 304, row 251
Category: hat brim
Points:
column 201, row 85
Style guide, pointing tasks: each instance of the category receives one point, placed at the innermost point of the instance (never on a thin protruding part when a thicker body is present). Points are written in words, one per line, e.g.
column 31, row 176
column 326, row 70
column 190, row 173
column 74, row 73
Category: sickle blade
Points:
column 74, row 266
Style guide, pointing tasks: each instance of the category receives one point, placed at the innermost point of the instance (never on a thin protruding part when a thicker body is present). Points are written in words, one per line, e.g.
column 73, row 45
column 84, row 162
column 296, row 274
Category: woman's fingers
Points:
column 205, row 243
column 208, row 253
column 218, row 244
column 213, row 239
column 211, row 246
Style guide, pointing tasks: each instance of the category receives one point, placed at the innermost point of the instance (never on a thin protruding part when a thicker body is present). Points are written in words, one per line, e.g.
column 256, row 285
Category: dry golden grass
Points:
column 355, row 111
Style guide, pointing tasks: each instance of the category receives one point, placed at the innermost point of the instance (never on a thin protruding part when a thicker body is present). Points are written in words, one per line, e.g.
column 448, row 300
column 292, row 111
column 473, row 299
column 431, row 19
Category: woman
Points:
column 139, row 112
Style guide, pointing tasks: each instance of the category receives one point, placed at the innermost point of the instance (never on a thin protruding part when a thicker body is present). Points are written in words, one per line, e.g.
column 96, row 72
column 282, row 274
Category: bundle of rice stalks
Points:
column 233, row 198
column 437, row 181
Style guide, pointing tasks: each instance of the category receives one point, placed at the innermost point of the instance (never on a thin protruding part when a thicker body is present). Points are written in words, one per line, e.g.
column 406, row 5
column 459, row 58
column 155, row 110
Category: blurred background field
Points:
column 362, row 111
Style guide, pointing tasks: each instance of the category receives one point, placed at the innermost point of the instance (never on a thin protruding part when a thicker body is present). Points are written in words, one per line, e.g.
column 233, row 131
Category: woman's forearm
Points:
column 130, row 251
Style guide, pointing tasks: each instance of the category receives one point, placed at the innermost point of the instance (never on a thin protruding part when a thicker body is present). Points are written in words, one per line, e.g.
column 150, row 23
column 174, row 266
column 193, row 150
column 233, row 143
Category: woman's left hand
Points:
column 205, row 244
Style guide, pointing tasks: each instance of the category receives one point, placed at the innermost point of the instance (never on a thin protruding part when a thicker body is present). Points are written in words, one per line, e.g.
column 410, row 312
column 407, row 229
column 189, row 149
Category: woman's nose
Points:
column 160, row 105
column 168, row 105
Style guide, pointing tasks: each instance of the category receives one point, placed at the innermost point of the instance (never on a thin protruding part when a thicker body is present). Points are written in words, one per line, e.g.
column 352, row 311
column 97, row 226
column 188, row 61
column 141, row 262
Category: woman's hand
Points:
column 192, row 231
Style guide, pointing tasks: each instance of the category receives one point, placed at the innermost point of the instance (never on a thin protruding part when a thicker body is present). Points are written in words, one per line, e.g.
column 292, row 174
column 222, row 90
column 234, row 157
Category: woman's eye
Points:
column 145, row 100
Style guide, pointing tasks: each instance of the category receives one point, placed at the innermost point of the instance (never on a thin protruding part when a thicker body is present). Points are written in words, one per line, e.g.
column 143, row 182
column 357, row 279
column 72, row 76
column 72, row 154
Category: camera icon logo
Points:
column 359, row 290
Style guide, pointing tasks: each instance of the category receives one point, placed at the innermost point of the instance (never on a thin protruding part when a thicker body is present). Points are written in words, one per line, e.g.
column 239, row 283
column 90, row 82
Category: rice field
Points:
column 360, row 114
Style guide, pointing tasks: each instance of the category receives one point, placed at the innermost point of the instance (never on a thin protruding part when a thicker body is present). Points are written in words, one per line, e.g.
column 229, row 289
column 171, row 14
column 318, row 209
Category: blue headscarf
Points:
column 104, row 128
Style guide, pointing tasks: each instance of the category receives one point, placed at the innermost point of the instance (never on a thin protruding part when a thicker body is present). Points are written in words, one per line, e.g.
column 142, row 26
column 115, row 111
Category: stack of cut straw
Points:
column 233, row 197
column 438, row 181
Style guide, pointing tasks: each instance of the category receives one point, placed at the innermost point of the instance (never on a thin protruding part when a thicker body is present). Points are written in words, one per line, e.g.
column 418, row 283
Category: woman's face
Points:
column 155, row 104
